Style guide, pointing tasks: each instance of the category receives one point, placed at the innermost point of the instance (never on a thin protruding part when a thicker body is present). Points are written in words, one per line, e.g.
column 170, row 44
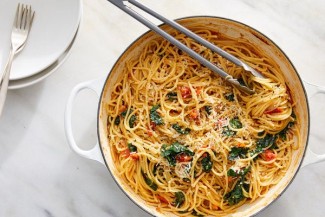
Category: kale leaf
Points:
column 180, row 130
column 208, row 109
column 228, row 132
column 132, row 148
column 117, row 120
column 171, row 96
column 170, row 152
column 154, row 116
column 234, row 173
column 235, row 123
column 179, row 199
column 149, row 182
column 194, row 213
column 132, row 120
column 237, row 193
column 268, row 141
column 283, row 133
column 154, row 171
column 125, row 112
column 237, row 152
column 230, row 97
column 207, row 163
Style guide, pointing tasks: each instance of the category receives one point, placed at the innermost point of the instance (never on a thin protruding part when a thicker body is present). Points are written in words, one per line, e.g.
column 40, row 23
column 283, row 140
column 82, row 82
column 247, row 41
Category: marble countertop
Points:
column 39, row 174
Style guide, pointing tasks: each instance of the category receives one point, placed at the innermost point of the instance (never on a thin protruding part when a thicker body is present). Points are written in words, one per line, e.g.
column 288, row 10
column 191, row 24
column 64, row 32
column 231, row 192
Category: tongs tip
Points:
column 238, row 85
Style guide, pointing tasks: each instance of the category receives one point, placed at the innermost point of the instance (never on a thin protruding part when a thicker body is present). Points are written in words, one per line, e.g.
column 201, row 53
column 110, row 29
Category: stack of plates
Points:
column 52, row 35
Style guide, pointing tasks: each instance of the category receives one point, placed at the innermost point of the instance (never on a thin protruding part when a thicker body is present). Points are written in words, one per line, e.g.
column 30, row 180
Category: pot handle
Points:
column 310, row 156
column 95, row 152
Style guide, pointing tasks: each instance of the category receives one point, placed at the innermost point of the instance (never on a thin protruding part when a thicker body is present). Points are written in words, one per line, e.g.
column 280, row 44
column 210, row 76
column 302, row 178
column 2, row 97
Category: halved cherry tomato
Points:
column 149, row 132
column 231, row 179
column 126, row 153
column 185, row 92
column 153, row 125
column 268, row 155
column 241, row 145
column 204, row 155
column 162, row 199
column 215, row 207
column 134, row 156
column 272, row 111
column 122, row 108
column 198, row 90
column 206, row 202
column 183, row 157
column 194, row 114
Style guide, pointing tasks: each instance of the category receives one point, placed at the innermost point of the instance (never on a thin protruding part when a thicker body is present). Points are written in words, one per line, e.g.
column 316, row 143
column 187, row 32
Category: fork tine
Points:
column 17, row 15
column 23, row 17
column 30, row 17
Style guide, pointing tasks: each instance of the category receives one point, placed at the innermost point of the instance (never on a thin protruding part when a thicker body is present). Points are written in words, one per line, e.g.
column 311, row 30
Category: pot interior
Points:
column 238, row 31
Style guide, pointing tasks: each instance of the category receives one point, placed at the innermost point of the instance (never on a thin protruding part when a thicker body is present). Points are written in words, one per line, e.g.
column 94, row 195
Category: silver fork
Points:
column 20, row 31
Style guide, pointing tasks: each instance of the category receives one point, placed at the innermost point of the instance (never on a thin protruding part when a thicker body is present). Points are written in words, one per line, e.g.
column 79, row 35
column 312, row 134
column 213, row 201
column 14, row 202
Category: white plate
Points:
column 25, row 82
column 55, row 24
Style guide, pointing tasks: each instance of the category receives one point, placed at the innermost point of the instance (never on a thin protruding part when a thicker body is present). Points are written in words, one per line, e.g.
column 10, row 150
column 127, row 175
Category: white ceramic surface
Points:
column 54, row 26
column 39, row 174
column 33, row 79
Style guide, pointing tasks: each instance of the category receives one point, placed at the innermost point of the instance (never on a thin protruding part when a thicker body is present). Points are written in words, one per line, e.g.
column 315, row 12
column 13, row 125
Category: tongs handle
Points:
column 199, row 39
column 171, row 39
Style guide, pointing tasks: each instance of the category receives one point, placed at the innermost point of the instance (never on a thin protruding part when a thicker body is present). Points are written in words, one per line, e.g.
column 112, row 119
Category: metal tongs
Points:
column 120, row 4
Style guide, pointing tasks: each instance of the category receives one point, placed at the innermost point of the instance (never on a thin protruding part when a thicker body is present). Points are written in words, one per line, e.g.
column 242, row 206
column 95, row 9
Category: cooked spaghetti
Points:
column 189, row 143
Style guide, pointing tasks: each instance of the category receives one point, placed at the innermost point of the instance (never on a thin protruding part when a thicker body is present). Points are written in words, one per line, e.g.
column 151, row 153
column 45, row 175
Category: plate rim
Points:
column 41, row 75
column 58, row 54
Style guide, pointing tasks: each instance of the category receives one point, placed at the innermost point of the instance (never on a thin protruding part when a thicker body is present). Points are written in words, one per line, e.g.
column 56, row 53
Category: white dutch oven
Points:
column 101, row 151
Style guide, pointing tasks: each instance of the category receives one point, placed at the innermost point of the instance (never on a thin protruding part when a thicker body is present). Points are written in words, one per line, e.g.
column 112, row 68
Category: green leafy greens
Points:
column 172, row 96
column 207, row 163
column 235, row 124
column 228, row 132
column 208, row 109
column 117, row 120
column 230, row 97
column 149, row 182
column 237, row 193
column 194, row 213
column 268, row 141
column 132, row 148
column 124, row 114
column 132, row 120
column 237, row 152
column 154, row 116
column 170, row 152
column 154, row 171
column 234, row 173
column 179, row 199
column 180, row 130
